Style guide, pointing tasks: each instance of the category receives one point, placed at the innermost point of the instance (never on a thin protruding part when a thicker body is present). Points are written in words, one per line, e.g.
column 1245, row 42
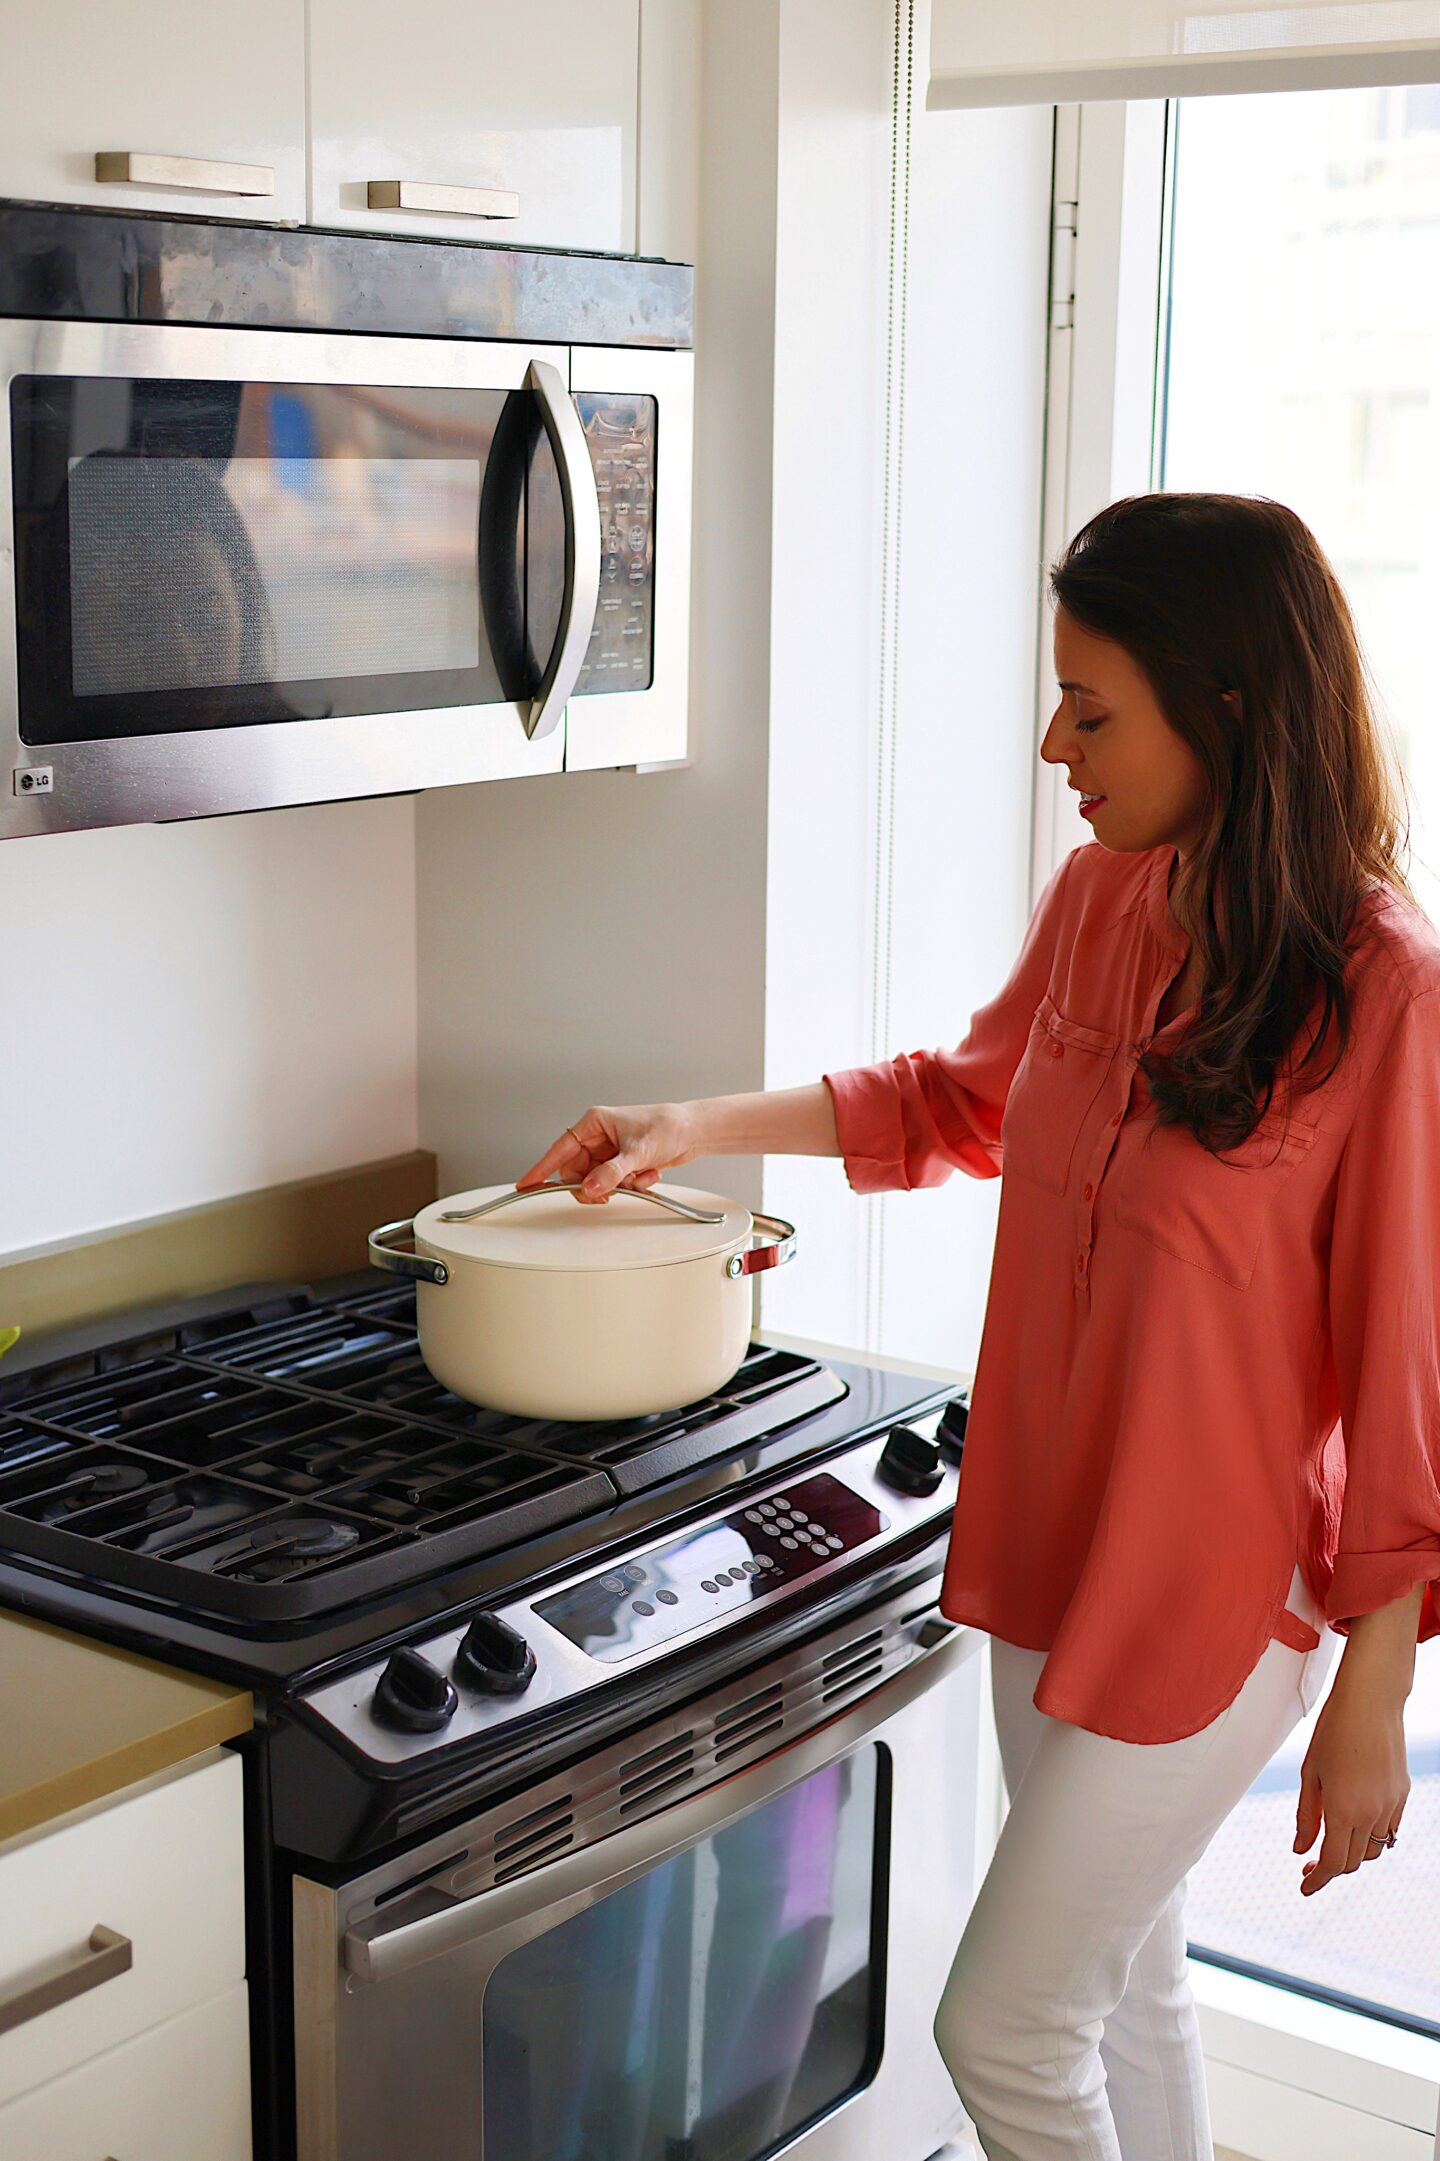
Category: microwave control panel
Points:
column 621, row 431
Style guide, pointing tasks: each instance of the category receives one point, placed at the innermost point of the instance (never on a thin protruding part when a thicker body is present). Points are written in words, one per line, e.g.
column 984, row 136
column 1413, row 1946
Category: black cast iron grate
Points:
column 287, row 1458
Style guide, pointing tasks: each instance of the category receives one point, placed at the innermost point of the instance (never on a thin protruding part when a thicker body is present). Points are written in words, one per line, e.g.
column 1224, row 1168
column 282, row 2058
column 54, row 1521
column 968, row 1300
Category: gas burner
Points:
column 274, row 1551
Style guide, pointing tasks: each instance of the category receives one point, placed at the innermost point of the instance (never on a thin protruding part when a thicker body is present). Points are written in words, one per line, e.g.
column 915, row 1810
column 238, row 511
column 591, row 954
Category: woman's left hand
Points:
column 1354, row 1775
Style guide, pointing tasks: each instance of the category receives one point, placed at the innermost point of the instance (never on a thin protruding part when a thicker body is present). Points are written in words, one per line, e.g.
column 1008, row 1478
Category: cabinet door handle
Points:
column 452, row 202
column 152, row 169
column 72, row 1974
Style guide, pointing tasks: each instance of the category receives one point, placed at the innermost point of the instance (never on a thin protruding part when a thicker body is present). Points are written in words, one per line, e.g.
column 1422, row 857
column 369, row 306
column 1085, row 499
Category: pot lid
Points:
column 548, row 1228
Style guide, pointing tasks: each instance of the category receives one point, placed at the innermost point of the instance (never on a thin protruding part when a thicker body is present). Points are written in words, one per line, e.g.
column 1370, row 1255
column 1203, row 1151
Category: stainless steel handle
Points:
column 661, row 1200
column 451, row 202
column 582, row 547
column 154, row 169
column 754, row 1258
column 74, row 1973
column 417, row 1266
column 573, row 1881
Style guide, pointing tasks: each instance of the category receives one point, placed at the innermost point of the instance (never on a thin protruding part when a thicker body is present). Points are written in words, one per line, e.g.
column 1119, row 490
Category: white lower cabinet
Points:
column 180, row 2092
column 122, row 1936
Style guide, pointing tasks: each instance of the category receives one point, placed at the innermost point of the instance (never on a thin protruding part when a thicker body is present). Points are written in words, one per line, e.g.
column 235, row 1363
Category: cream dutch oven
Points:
column 528, row 1303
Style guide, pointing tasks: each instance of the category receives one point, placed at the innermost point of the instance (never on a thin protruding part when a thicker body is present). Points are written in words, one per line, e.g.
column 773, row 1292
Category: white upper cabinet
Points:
column 168, row 80
column 535, row 101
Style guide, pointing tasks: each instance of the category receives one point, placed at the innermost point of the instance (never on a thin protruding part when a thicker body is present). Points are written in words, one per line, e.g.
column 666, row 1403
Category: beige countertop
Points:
column 79, row 1720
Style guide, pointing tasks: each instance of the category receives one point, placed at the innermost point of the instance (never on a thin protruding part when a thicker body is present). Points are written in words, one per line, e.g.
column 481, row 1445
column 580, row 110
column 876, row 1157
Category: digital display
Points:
column 765, row 1546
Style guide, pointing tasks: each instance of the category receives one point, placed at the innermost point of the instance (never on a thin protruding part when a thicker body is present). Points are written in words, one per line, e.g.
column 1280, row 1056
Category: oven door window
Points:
column 711, row 2008
column 194, row 555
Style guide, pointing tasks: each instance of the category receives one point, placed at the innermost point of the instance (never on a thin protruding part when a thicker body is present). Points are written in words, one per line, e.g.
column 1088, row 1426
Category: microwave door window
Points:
column 195, row 555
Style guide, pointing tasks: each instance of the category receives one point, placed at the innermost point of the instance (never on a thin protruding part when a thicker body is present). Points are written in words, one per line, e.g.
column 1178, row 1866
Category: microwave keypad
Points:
column 620, row 431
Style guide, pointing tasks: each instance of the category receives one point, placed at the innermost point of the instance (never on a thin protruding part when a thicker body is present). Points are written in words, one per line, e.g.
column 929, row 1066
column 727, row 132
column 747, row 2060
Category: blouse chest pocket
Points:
column 1209, row 1210
column 1056, row 1082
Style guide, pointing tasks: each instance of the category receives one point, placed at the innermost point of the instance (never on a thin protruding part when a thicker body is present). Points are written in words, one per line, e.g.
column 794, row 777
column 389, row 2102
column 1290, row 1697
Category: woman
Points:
column 1206, row 1414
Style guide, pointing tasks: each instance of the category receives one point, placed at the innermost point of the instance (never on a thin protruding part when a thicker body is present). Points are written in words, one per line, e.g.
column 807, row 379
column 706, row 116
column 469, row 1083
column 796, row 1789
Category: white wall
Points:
column 601, row 937
column 201, row 1009
column 914, row 1282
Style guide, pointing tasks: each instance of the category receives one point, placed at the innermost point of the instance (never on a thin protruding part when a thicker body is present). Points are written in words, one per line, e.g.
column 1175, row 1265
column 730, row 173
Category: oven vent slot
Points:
column 653, row 1788
column 858, row 1665
column 743, row 1725
column 532, row 1860
column 748, row 1739
column 737, row 1718
column 655, row 1772
column 519, row 1841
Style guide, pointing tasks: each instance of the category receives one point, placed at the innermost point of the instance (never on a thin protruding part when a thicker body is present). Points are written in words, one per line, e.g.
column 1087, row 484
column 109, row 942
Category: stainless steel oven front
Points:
column 720, row 1940
column 243, row 567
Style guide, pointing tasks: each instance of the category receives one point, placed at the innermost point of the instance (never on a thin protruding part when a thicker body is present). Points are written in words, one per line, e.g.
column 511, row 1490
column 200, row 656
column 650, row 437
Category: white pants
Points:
column 1067, row 2022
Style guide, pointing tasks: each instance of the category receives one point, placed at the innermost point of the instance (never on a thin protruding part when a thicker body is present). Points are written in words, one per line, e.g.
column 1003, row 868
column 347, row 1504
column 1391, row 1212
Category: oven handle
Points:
column 581, row 499
column 574, row 1880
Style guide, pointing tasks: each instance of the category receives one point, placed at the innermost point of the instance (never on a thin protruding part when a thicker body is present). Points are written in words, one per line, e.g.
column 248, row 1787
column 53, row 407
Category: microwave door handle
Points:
column 581, row 500
column 575, row 1880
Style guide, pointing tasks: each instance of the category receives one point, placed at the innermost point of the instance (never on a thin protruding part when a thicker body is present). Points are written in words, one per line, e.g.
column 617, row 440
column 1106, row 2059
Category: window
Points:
column 1256, row 309
column 1301, row 359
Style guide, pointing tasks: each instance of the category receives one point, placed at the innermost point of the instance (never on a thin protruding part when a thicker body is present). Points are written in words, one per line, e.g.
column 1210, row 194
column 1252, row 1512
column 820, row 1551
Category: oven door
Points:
column 254, row 568
column 662, row 1957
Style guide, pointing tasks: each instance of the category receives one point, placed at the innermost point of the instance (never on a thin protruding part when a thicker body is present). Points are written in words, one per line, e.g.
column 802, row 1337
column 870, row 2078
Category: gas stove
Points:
column 269, row 1486
column 485, row 1649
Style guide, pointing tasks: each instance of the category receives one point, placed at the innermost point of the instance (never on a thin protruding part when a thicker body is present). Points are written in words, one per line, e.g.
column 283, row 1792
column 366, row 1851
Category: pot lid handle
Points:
column 661, row 1200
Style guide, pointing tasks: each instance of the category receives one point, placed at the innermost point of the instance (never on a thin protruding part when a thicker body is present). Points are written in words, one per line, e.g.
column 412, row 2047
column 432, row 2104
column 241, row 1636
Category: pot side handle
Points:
column 775, row 1255
column 418, row 1266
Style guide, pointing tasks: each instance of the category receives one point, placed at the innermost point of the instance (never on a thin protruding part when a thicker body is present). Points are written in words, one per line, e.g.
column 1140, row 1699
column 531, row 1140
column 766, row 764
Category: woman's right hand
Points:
column 625, row 1146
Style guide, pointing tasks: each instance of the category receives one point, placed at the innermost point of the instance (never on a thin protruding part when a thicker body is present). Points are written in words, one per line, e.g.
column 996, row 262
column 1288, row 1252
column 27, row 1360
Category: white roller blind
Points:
column 1019, row 52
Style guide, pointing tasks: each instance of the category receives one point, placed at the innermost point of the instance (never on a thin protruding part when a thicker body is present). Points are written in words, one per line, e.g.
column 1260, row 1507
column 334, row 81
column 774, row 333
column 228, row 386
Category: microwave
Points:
column 277, row 557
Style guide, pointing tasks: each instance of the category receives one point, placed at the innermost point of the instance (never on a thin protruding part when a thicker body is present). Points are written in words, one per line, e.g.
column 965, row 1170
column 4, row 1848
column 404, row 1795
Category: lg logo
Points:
column 34, row 779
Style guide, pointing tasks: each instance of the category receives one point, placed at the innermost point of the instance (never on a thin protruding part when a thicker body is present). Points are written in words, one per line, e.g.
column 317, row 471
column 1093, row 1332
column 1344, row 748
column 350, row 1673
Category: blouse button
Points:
column 1057, row 1050
column 1086, row 1192
column 1118, row 1119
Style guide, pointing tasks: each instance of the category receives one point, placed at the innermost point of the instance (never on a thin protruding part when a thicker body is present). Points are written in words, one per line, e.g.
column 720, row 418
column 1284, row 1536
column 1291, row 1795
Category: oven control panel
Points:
column 488, row 1668
column 721, row 1565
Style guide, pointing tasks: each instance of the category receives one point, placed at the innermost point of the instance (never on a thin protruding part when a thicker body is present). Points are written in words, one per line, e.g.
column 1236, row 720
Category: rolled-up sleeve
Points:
column 912, row 1120
column 1384, row 1309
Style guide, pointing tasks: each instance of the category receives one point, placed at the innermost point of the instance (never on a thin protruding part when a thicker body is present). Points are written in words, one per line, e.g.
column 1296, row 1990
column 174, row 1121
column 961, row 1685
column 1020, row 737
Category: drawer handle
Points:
column 451, row 202
column 152, row 169
column 73, row 1974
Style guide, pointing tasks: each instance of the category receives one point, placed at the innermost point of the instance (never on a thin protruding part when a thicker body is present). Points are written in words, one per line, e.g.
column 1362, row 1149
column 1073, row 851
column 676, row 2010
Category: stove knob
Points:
column 413, row 1696
column 494, row 1656
column 950, row 1435
column 910, row 1462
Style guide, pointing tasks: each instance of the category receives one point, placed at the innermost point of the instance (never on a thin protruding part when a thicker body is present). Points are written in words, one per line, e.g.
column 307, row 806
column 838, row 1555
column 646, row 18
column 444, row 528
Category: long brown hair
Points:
column 1305, row 807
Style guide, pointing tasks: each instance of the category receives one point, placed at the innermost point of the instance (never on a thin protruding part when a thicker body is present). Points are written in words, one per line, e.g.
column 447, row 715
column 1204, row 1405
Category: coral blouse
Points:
column 1192, row 1373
